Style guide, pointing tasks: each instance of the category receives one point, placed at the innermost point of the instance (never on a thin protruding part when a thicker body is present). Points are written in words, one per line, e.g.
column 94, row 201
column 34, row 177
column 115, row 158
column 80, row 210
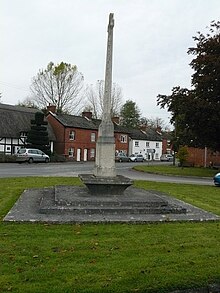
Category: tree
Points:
column 95, row 97
column 130, row 114
column 155, row 123
column 28, row 102
column 38, row 135
column 182, row 155
column 196, row 112
column 59, row 85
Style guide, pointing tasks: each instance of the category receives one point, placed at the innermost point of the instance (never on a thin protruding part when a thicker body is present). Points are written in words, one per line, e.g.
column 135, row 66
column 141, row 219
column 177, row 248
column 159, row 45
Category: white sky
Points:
column 151, row 39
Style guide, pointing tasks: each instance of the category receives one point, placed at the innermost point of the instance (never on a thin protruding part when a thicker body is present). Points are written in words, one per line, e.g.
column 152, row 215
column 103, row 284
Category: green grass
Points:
column 174, row 170
column 38, row 257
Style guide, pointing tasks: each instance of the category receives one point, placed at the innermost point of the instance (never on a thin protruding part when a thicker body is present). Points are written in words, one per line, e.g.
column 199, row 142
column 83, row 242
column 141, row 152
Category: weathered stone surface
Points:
column 65, row 204
column 105, row 185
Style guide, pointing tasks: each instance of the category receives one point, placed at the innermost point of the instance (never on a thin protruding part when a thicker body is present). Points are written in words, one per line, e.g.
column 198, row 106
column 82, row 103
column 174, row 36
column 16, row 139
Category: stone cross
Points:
column 105, row 146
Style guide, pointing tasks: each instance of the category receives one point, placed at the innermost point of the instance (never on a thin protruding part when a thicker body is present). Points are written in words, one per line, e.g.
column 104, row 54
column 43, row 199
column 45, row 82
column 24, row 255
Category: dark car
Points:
column 31, row 155
column 121, row 158
column 136, row 158
column 217, row 179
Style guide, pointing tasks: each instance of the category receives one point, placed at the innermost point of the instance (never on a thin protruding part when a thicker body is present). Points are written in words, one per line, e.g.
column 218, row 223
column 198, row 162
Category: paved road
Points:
column 75, row 168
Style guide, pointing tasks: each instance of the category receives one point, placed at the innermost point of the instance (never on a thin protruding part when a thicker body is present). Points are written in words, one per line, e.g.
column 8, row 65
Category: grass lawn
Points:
column 37, row 257
column 174, row 170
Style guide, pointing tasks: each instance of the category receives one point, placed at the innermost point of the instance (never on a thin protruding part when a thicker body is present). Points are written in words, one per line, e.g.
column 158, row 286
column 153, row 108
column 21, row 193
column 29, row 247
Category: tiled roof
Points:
column 17, row 119
column 84, row 123
column 149, row 134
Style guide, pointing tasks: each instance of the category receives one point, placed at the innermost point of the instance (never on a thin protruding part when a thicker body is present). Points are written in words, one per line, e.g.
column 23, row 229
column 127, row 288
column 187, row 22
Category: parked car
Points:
column 136, row 158
column 217, row 179
column 121, row 158
column 166, row 158
column 31, row 155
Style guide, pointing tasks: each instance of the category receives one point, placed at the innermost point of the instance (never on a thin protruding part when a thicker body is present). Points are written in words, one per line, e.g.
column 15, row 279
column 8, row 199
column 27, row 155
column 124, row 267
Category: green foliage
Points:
column 38, row 135
column 130, row 114
column 39, row 257
column 196, row 113
column 182, row 155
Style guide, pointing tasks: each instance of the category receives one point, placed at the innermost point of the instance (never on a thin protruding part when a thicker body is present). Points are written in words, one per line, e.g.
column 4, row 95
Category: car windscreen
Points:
column 21, row 151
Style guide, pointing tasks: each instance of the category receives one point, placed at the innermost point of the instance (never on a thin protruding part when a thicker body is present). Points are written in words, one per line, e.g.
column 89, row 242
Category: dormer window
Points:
column 23, row 134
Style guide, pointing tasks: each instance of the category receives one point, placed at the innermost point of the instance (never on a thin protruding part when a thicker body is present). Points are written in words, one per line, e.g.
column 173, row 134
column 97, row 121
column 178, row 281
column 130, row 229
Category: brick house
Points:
column 76, row 136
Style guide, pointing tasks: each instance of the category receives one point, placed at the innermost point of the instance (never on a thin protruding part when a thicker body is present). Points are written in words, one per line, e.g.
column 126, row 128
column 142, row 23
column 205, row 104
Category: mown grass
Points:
column 174, row 170
column 38, row 257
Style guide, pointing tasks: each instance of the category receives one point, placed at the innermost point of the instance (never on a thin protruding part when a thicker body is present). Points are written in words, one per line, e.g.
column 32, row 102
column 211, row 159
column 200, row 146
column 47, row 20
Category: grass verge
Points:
column 109, row 257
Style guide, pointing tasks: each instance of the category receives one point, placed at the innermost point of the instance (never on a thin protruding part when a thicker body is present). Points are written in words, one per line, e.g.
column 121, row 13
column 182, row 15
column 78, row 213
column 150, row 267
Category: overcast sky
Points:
column 151, row 38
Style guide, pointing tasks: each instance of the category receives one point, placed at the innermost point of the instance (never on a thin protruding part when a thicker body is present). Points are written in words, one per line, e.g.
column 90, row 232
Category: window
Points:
column 157, row 144
column 71, row 152
column 93, row 137
column 123, row 138
column 92, row 153
column 136, row 143
column 72, row 135
column 147, row 144
column 23, row 134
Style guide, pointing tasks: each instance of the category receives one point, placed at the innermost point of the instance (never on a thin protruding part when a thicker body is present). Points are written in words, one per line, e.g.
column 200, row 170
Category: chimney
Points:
column 159, row 130
column 115, row 120
column 51, row 108
column 87, row 115
column 143, row 127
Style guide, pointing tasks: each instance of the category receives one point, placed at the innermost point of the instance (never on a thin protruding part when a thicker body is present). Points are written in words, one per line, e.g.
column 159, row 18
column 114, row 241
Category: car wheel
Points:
column 46, row 160
column 30, row 161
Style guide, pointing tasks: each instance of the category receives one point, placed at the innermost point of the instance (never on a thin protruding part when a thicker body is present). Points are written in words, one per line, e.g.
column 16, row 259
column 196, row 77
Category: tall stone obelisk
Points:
column 105, row 146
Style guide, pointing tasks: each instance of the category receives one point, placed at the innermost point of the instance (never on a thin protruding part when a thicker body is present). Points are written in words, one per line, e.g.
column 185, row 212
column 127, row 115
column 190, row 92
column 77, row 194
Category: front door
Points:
column 85, row 155
column 78, row 155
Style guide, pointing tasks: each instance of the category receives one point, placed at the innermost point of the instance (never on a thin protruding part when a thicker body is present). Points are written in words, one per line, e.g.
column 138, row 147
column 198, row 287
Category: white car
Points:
column 31, row 155
column 136, row 158
column 166, row 158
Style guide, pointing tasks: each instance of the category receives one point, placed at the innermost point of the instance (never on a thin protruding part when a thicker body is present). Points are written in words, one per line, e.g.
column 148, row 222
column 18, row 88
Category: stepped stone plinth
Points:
column 105, row 185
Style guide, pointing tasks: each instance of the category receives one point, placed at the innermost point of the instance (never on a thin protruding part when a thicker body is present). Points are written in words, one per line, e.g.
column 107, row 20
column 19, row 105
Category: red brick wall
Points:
column 82, row 141
column 59, row 132
column 202, row 157
column 121, row 146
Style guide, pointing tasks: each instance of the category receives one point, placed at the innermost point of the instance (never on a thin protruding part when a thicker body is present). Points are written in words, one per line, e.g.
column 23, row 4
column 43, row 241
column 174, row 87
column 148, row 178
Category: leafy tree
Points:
column 182, row 155
column 38, row 135
column 95, row 97
column 130, row 114
column 196, row 112
column 59, row 85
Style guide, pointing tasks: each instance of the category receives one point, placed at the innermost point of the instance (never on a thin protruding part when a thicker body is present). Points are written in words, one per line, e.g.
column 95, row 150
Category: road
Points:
column 76, row 168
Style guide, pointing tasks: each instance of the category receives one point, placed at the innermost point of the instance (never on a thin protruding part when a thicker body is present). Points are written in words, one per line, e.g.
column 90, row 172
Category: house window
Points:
column 93, row 137
column 123, row 138
column 71, row 152
column 147, row 144
column 72, row 135
column 157, row 144
column 136, row 143
column 92, row 153
column 23, row 134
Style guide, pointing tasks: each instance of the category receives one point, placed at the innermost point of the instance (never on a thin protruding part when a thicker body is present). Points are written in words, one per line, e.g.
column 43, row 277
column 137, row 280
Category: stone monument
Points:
column 104, row 179
column 105, row 146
